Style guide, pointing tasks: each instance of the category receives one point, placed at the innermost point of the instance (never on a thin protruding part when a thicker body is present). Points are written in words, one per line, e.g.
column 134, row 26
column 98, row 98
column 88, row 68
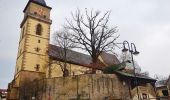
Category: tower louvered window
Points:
column 39, row 29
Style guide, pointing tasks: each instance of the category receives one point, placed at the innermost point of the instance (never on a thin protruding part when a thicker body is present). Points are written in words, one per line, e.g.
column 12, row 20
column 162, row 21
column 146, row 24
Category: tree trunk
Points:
column 94, row 66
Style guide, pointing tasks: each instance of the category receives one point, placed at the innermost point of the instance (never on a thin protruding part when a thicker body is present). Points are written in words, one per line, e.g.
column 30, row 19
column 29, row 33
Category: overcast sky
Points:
column 144, row 22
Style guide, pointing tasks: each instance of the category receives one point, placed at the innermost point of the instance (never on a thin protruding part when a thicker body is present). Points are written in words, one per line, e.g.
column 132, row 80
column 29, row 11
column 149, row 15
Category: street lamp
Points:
column 132, row 49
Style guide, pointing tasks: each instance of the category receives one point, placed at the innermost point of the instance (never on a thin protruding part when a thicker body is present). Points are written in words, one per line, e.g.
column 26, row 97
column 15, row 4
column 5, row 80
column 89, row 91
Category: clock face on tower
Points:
column 40, row 11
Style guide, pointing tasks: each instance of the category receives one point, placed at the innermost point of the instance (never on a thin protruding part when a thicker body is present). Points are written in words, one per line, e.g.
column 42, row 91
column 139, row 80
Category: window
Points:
column 45, row 16
column 23, row 32
column 38, row 29
column 144, row 96
column 165, row 92
column 37, row 49
column 20, row 51
column 37, row 67
column 17, row 69
column 39, row 41
column 35, row 13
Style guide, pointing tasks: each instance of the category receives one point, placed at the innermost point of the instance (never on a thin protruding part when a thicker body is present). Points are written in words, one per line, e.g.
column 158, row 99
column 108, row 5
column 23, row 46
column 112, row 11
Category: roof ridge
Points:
column 84, row 53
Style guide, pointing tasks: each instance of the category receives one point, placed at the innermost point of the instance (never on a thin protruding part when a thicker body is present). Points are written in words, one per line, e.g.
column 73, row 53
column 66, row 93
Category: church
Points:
column 36, row 59
column 35, row 52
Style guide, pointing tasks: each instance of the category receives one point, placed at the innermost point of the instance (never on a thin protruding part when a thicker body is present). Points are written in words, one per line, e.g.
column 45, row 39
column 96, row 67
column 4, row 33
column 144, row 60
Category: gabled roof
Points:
column 80, row 58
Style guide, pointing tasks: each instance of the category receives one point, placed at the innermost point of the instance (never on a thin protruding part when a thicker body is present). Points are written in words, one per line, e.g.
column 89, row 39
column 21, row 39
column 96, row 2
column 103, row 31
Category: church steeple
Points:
column 35, row 35
column 34, row 40
column 32, row 59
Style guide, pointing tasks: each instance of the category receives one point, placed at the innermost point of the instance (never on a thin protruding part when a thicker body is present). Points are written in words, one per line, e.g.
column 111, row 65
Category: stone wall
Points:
column 82, row 87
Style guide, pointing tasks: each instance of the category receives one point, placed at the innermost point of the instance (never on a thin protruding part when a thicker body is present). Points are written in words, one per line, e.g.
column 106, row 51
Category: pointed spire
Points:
column 40, row 2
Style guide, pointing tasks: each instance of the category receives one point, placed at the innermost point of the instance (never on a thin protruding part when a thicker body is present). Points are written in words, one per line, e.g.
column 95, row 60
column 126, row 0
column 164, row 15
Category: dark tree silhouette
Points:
column 91, row 32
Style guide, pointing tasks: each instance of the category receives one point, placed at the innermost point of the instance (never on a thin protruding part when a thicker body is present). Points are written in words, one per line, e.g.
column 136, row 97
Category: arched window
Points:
column 144, row 96
column 38, row 29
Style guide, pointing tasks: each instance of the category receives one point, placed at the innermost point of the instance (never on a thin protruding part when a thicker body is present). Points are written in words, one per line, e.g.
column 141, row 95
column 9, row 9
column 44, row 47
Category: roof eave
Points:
column 35, row 3
column 150, row 79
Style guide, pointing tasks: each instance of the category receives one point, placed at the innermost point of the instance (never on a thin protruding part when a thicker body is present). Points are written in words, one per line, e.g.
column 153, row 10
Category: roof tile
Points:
column 80, row 58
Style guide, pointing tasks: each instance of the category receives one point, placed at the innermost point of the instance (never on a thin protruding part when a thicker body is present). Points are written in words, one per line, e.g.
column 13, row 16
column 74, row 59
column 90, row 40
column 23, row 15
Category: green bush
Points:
column 113, row 68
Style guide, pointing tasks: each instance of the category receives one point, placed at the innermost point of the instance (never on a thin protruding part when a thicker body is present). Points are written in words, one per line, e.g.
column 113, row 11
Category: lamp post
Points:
column 132, row 50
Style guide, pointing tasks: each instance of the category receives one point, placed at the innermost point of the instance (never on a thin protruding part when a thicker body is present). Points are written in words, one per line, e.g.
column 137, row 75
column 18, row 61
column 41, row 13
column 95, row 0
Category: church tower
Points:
column 34, row 38
column 32, row 58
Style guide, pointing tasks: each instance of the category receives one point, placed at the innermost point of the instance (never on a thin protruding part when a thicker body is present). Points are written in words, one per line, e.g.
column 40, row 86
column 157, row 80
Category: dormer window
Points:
column 39, row 29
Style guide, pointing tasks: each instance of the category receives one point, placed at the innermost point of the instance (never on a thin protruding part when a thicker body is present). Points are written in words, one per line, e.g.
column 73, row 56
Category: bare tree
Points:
column 91, row 32
column 62, row 39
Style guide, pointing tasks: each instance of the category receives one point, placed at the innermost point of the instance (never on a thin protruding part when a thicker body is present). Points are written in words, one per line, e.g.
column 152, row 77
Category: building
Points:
column 168, row 86
column 162, row 91
column 33, row 44
column 168, row 83
column 90, row 87
column 3, row 94
column 36, row 57
column 35, row 53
